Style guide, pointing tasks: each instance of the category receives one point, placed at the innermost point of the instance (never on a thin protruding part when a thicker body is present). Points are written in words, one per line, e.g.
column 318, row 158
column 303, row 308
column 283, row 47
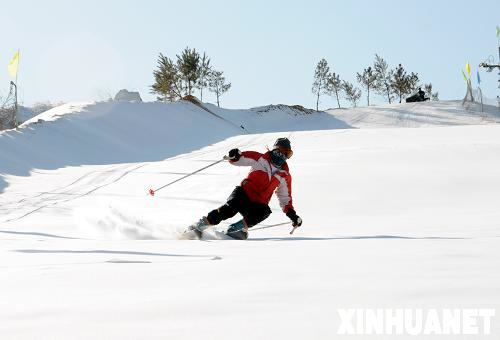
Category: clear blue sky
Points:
column 83, row 50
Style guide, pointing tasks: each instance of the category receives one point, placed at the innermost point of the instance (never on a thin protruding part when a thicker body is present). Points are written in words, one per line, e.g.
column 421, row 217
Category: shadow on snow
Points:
column 370, row 237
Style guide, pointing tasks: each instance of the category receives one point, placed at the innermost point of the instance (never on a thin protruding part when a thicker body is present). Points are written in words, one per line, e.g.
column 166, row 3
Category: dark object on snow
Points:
column 417, row 97
column 238, row 202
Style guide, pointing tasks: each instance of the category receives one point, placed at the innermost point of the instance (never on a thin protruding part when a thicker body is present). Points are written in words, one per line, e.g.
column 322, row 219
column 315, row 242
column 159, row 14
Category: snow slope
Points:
column 426, row 114
column 120, row 132
column 26, row 113
column 392, row 218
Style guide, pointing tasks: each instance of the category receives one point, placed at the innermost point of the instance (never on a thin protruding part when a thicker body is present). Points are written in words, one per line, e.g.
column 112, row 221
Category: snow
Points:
column 424, row 114
column 26, row 113
column 393, row 218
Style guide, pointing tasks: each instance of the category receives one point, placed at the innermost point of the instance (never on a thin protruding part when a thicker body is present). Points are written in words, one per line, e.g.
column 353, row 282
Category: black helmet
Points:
column 283, row 143
column 282, row 150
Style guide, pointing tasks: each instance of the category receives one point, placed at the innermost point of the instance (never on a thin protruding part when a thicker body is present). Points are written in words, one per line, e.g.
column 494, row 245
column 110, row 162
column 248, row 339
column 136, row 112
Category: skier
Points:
column 421, row 94
column 268, row 173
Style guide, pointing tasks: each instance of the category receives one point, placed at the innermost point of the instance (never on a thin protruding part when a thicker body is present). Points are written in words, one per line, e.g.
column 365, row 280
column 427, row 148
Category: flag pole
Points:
column 18, row 62
column 498, row 45
column 17, row 74
column 16, row 108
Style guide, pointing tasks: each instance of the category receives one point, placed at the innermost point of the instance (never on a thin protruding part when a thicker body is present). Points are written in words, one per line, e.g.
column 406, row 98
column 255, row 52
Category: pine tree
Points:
column 188, row 64
column 334, row 86
column 402, row 83
column 412, row 82
column 319, row 86
column 352, row 94
column 398, row 81
column 168, row 85
column 175, row 80
column 204, row 73
column 217, row 84
column 383, row 78
column 367, row 80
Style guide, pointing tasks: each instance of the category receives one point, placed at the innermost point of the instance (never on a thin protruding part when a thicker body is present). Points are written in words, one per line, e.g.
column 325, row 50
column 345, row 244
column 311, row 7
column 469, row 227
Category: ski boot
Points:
column 195, row 230
column 237, row 230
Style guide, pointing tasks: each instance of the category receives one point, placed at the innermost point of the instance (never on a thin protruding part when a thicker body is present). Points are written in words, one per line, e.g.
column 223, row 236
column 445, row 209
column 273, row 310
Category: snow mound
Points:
column 126, row 96
column 56, row 113
column 25, row 113
column 413, row 115
column 106, row 133
column 293, row 109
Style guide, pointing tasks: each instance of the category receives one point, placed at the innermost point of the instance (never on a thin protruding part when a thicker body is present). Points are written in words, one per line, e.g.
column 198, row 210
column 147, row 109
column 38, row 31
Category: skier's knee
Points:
column 223, row 213
column 213, row 217
column 258, row 215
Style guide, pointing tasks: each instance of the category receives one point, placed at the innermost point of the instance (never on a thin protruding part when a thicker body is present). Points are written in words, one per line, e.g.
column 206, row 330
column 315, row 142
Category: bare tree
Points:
column 319, row 86
column 8, row 110
column 7, row 117
column 367, row 80
column 352, row 93
column 433, row 95
column 334, row 86
column 204, row 70
column 217, row 84
column 383, row 78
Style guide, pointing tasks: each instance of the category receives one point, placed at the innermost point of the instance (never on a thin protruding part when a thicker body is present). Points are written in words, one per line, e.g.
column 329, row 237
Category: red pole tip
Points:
column 151, row 192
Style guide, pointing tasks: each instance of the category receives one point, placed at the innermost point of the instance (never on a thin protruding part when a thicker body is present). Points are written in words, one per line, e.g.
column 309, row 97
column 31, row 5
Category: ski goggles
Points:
column 285, row 152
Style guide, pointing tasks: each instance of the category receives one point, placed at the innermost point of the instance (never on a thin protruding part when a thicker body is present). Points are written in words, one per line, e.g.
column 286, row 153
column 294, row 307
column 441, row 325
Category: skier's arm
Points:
column 245, row 158
column 284, row 193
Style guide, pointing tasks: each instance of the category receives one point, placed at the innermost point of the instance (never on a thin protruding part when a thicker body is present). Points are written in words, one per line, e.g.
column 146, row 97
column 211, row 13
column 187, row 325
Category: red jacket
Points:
column 264, row 179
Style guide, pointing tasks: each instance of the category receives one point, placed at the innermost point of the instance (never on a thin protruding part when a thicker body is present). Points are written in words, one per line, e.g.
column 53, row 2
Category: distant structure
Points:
column 126, row 96
column 490, row 64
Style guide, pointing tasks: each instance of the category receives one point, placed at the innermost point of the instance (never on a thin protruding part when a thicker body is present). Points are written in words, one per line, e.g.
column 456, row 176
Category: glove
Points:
column 297, row 221
column 234, row 155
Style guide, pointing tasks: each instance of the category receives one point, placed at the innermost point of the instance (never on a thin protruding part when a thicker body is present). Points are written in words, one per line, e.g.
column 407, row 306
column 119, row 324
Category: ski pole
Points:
column 153, row 191
column 272, row 226
column 268, row 226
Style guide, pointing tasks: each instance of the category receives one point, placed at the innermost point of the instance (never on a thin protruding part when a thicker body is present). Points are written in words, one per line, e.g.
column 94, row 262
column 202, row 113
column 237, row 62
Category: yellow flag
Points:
column 14, row 65
column 467, row 67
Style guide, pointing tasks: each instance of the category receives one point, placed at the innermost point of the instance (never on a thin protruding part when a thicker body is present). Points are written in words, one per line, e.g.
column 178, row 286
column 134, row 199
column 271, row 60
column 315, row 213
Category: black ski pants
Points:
column 238, row 202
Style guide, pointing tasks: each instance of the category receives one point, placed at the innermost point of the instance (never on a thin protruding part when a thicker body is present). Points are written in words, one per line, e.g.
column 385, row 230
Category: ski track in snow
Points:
column 82, row 186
